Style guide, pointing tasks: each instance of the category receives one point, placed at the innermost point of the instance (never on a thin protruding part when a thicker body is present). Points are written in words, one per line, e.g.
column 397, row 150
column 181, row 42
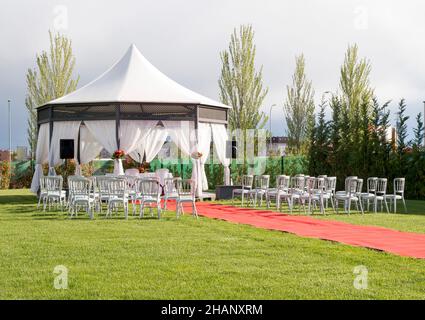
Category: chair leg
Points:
column 158, row 208
column 361, row 207
column 386, row 205
column 404, row 203
column 142, row 209
column 395, row 205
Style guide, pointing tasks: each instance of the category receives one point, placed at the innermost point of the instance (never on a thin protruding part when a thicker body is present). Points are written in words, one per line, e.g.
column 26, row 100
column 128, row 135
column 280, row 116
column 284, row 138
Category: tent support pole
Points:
column 117, row 125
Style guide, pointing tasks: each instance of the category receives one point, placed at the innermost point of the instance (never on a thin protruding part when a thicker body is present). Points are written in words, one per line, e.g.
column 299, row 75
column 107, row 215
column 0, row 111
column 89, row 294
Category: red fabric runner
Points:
column 407, row 244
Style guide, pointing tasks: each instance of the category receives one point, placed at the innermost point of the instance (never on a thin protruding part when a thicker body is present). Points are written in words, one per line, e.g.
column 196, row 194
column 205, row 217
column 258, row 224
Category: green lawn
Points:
column 191, row 259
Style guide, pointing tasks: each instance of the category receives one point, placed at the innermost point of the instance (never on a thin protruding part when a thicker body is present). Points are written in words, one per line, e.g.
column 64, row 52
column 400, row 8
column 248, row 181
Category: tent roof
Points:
column 133, row 79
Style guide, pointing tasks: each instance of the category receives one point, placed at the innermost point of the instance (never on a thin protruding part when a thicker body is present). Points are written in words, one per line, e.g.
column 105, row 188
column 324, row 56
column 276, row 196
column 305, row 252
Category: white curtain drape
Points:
column 134, row 132
column 203, row 146
column 220, row 138
column 62, row 130
column 89, row 148
column 183, row 135
column 104, row 132
column 41, row 155
column 156, row 139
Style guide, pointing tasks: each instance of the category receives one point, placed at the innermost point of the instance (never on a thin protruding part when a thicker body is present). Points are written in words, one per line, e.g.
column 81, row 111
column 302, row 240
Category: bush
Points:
column 5, row 174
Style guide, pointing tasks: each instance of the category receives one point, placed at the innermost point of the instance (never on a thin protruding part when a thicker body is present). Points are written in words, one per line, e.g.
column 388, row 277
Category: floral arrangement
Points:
column 118, row 154
column 196, row 155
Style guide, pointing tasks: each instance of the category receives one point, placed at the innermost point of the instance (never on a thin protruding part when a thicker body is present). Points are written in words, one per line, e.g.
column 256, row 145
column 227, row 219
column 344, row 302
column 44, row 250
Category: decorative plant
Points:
column 118, row 154
column 196, row 155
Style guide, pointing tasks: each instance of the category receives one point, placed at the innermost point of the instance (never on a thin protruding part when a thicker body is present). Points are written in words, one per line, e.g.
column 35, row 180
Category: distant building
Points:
column 4, row 155
column 21, row 153
column 277, row 146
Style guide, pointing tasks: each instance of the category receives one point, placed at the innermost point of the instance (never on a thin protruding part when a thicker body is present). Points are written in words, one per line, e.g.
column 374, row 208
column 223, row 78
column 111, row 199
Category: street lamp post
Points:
column 10, row 138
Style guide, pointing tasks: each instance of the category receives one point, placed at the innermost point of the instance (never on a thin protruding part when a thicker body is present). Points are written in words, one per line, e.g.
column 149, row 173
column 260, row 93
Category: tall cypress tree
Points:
column 401, row 129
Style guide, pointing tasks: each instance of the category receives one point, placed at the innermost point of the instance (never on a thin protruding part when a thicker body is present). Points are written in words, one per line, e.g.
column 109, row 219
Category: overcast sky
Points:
column 183, row 39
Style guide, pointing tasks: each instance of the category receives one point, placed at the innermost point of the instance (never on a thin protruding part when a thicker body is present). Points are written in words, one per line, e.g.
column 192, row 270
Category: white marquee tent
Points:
column 133, row 107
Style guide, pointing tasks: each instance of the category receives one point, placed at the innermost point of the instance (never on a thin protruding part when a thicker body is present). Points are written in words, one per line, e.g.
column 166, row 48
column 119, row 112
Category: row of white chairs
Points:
column 317, row 192
column 93, row 193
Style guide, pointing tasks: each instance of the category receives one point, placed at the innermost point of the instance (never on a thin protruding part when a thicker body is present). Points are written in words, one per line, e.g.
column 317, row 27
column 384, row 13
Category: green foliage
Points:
column 4, row 174
column 299, row 109
column 418, row 131
column 52, row 78
column 241, row 86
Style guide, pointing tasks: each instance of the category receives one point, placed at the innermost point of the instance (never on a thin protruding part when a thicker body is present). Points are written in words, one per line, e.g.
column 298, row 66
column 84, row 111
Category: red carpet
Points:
column 401, row 243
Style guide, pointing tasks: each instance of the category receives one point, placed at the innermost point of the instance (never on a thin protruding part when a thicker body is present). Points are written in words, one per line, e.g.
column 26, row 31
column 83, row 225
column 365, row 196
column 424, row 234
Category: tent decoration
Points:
column 121, row 110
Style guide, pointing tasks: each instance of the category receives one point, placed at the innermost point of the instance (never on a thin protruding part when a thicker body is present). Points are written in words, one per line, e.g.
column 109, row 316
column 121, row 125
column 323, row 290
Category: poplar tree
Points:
column 50, row 79
column 299, row 109
column 241, row 84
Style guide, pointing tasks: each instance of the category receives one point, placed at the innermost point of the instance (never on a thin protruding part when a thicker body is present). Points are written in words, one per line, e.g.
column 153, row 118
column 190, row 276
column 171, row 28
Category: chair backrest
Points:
column 80, row 186
column 43, row 184
column 371, row 184
column 352, row 186
column 381, row 186
column 399, row 184
column 170, row 185
column 247, row 181
column 323, row 176
column 347, row 182
column 102, row 184
column 117, row 187
column 262, row 182
column 283, row 182
column 186, row 188
column 150, row 188
column 310, row 184
column 53, row 183
column 298, row 182
column 330, row 184
column 359, row 186
column 320, row 184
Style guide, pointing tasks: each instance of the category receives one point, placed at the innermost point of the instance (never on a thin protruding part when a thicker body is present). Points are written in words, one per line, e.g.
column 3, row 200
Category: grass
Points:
column 191, row 259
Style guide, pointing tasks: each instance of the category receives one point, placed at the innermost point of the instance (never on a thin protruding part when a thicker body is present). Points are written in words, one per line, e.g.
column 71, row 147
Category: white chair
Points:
column 399, row 184
column 117, row 195
column 43, row 192
column 330, row 189
column 247, row 181
column 170, row 190
column 80, row 188
column 370, row 193
column 261, row 186
column 282, row 184
column 102, row 191
column 380, row 193
column 150, row 193
column 354, row 187
column 186, row 193
column 297, row 191
column 161, row 174
column 54, row 192
column 314, row 195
